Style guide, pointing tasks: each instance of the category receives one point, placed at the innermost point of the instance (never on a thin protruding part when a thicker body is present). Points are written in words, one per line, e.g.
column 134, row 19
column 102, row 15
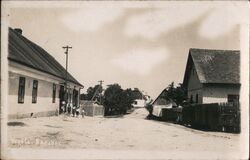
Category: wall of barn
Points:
column 44, row 105
column 219, row 93
column 194, row 87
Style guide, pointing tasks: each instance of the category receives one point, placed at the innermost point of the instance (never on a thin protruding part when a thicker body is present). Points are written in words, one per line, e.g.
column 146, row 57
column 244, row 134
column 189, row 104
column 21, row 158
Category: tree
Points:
column 117, row 100
column 91, row 91
column 180, row 95
column 177, row 94
column 137, row 94
column 83, row 96
column 112, row 96
column 171, row 90
column 128, row 98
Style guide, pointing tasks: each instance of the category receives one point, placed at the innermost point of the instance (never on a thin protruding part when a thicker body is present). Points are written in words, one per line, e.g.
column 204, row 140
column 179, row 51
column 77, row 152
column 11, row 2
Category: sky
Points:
column 143, row 45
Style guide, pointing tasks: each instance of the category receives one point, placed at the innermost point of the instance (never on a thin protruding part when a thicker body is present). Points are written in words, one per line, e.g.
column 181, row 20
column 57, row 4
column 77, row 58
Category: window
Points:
column 197, row 98
column 54, row 93
column 61, row 93
column 70, row 97
column 191, row 99
column 233, row 98
column 34, row 91
column 76, row 97
column 66, row 95
column 21, row 90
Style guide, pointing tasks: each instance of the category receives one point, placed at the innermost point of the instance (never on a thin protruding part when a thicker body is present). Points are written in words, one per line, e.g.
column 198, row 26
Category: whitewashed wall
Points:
column 44, row 105
column 219, row 93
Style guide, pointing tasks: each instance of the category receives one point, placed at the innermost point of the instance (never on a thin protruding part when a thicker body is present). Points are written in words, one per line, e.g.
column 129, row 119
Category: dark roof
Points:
column 214, row 66
column 163, row 95
column 25, row 52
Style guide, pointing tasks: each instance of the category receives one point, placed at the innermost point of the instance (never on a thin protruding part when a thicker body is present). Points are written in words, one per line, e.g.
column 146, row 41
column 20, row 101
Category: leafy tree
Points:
column 112, row 97
column 137, row 94
column 117, row 100
column 97, row 90
column 129, row 96
column 177, row 94
column 180, row 94
column 83, row 96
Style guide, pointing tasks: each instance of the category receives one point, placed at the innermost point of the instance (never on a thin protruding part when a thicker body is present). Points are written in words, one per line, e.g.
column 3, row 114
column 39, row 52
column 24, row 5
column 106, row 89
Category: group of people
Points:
column 71, row 110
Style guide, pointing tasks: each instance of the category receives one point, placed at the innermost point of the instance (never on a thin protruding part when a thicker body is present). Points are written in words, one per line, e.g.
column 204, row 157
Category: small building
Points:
column 162, row 102
column 91, row 108
column 139, row 103
column 36, row 80
column 212, row 76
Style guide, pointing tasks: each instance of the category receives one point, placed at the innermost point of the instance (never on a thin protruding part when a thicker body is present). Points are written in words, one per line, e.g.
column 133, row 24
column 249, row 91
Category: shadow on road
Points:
column 115, row 116
column 16, row 124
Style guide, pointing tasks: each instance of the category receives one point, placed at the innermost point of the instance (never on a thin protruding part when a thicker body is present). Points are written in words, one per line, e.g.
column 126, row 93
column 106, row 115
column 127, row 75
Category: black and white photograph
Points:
column 124, row 80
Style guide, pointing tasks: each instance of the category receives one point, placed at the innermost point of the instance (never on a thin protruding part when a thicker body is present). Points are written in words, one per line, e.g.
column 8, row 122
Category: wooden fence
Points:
column 214, row 116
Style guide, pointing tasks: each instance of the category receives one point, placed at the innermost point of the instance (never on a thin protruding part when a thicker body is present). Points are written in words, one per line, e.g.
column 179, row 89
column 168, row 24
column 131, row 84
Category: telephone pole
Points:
column 66, row 74
column 101, row 81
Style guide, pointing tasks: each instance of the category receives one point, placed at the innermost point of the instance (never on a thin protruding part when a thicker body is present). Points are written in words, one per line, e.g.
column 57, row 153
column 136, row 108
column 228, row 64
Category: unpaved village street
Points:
column 131, row 131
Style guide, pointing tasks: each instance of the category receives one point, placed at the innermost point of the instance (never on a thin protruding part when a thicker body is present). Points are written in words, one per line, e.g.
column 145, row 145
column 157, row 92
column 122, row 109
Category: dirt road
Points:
column 130, row 132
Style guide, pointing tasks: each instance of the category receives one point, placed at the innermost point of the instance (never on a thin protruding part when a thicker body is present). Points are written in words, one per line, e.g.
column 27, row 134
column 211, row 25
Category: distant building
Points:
column 212, row 76
column 36, row 80
column 139, row 103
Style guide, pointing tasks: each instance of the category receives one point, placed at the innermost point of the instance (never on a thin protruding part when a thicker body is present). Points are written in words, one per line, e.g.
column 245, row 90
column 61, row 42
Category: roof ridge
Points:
column 207, row 49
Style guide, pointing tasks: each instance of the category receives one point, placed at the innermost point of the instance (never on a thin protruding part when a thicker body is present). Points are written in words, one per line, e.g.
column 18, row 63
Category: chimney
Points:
column 18, row 30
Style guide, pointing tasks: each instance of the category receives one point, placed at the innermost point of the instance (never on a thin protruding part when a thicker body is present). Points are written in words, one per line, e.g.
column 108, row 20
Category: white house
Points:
column 139, row 103
column 36, row 80
column 212, row 76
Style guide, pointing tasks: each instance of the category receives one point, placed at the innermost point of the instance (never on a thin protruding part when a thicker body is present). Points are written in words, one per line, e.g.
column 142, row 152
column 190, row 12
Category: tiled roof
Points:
column 25, row 52
column 215, row 66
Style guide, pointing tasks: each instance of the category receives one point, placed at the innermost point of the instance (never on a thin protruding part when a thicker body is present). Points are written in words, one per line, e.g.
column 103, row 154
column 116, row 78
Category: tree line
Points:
column 115, row 100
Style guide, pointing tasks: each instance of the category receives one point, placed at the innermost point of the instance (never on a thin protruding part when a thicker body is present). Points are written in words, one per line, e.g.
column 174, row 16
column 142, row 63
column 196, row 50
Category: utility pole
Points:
column 101, row 81
column 66, row 74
